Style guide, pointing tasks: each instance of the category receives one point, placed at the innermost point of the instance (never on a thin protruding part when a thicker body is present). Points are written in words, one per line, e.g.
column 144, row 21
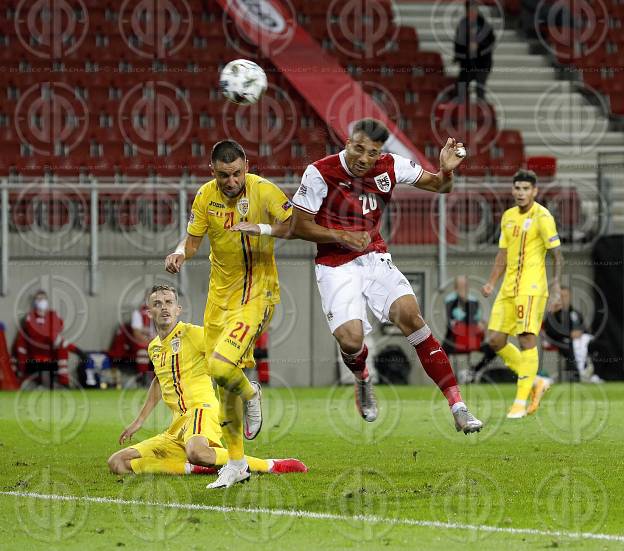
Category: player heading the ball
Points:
column 339, row 206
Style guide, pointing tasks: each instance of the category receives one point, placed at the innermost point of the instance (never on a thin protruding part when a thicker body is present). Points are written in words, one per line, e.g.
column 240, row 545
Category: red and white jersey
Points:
column 141, row 321
column 343, row 201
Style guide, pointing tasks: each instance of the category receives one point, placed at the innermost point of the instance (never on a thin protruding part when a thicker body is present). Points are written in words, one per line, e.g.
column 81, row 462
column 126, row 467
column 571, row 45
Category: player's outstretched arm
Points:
column 153, row 397
column 498, row 269
column 555, row 286
column 186, row 249
column 279, row 229
column 450, row 159
column 303, row 226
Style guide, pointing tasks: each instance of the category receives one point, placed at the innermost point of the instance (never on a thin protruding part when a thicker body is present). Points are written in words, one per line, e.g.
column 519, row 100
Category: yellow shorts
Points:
column 172, row 442
column 517, row 315
column 233, row 333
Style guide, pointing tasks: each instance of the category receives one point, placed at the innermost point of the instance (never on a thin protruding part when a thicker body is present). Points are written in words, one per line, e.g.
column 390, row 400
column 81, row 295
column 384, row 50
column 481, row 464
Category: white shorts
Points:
column 371, row 279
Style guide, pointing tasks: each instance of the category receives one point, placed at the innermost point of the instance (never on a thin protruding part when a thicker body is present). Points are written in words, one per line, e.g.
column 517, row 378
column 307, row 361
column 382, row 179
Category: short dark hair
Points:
column 524, row 175
column 163, row 287
column 374, row 129
column 227, row 151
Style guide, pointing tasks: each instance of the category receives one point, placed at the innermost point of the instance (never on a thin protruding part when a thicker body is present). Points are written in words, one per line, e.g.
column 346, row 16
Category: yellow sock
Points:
column 231, row 377
column 255, row 464
column 231, row 418
column 511, row 356
column 152, row 465
column 528, row 367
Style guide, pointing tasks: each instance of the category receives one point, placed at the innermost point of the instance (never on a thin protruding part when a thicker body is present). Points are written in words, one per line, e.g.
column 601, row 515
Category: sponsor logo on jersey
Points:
column 554, row 238
column 345, row 184
column 156, row 353
column 218, row 205
column 287, row 205
column 233, row 343
column 175, row 345
column 302, row 190
column 243, row 206
column 383, row 182
column 413, row 163
column 330, row 316
column 192, row 218
column 527, row 224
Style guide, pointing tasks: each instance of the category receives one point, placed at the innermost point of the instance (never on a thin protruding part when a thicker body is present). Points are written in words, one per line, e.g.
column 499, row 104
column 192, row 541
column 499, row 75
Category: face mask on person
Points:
column 41, row 305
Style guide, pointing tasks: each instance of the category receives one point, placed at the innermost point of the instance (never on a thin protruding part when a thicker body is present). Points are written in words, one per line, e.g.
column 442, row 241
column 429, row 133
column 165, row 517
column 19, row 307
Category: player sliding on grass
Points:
column 339, row 205
column 192, row 443
column 528, row 230
column 243, row 287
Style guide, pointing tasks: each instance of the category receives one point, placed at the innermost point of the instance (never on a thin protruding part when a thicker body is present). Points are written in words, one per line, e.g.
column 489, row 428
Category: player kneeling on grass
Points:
column 192, row 443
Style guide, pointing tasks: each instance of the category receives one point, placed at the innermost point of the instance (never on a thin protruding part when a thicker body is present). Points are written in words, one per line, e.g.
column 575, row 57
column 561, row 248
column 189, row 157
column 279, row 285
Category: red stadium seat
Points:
column 510, row 153
column 475, row 165
column 544, row 166
column 616, row 103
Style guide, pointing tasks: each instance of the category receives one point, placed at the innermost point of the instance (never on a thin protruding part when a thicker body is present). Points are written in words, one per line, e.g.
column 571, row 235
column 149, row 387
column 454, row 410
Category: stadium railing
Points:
column 102, row 220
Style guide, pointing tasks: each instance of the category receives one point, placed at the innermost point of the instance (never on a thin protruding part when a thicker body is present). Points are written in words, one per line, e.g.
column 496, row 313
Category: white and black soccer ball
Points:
column 242, row 81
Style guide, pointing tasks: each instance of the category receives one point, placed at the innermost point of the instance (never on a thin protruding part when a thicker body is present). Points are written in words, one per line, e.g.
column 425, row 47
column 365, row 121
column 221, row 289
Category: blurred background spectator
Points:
column 143, row 332
column 39, row 345
column 464, row 330
column 128, row 351
column 474, row 43
column 565, row 329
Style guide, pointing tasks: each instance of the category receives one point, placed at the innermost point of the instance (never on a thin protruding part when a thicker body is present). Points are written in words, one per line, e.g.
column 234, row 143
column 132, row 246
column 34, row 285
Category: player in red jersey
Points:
column 339, row 205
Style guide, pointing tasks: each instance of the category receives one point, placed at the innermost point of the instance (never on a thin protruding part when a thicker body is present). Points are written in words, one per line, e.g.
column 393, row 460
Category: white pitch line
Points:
column 371, row 519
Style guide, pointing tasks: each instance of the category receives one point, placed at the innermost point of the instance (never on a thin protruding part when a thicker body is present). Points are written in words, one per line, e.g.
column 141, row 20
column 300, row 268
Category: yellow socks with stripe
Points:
column 256, row 465
column 153, row 465
column 231, row 377
column 511, row 356
column 231, row 419
column 528, row 367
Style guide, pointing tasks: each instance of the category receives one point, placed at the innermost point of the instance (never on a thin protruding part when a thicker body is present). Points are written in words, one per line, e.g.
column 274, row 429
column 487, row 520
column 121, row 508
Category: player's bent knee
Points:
column 199, row 452
column 350, row 338
column 497, row 342
column 220, row 370
column 117, row 464
column 351, row 344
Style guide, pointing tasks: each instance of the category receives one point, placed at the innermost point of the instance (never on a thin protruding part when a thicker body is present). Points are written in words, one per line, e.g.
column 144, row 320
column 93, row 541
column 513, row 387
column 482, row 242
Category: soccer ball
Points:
column 242, row 81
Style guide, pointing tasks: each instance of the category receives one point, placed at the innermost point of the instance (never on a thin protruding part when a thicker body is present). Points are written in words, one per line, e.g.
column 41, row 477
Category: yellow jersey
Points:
column 180, row 365
column 527, row 237
column 242, row 266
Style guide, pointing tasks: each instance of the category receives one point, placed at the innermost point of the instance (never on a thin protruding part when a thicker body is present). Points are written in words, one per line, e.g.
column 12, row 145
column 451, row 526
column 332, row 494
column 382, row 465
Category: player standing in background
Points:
column 339, row 205
column 528, row 230
column 243, row 287
column 192, row 443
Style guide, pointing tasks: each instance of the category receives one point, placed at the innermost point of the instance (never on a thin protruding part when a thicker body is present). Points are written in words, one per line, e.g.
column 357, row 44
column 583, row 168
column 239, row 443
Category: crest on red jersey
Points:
column 383, row 182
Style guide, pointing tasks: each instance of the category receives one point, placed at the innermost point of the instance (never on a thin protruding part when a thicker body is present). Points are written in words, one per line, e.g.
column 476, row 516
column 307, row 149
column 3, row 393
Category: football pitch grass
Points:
column 407, row 481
